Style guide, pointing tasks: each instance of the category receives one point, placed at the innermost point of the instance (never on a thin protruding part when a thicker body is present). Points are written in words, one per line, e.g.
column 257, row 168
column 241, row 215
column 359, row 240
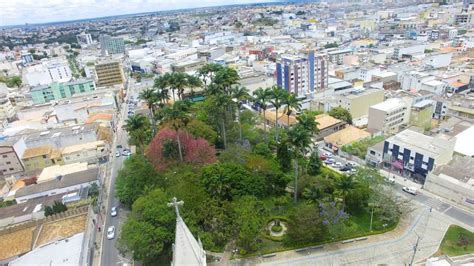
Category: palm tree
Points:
column 151, row 98
column 226, row 78
column 262, row 97
column 291, row 103
column 240, row 94
column 307, row 120
column 299, row 139
column 193, row 82
column 345, row 184
column 136, row 126
column 278, row 96
column 207, row 72
column 178, row 117
column 179, row 81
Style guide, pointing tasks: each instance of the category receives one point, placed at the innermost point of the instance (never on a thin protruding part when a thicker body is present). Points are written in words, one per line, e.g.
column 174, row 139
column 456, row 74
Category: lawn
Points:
column 359, row 148
column 457, row 241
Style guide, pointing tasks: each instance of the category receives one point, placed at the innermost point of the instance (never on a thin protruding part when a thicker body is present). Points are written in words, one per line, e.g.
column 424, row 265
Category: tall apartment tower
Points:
column 84, row 39
column 111, row 45
column 303, row 74
column 109, row 73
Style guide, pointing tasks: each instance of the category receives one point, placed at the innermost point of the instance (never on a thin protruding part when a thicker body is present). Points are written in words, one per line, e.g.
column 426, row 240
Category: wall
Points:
column 421, row 117
column 54, row 192
column 360, row 105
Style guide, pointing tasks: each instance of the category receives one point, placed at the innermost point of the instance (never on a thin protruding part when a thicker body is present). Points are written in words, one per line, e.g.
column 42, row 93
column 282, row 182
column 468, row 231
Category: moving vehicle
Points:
column 117, row 154
column 111, row 232
column 126, row 152
column 113, row 211
column 410, row 190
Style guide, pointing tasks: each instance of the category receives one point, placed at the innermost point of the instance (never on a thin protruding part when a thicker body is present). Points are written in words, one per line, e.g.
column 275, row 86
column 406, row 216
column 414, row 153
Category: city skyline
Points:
column 18, row 12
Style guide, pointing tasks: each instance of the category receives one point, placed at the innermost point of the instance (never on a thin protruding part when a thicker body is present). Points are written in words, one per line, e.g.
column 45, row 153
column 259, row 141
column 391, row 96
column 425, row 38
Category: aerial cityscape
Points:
column 182, row 132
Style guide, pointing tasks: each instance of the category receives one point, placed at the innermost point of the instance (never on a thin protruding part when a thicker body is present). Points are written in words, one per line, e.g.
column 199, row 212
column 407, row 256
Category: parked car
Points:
column 117, row 154
column 323, row 158
column 119, row 146
column 328, row 154
column 410, row 190
column 113, row 211
column 351, row 164
column 329, row 161
column 337, row 165
column 111, row 232
column 126, row 152
column 345, row 169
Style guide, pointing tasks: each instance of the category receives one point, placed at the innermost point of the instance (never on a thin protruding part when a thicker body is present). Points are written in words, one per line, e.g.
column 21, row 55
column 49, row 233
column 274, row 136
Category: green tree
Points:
column 291, row 104
column 342, row 114
column 151, row 98
column 14, row 81
column 345, row 185
column 178, row 117
column 200, row 129
column 207, row 72
column 308, row 122
column 299, row 139
column 138, row 127
column 262, row 149
column 314, row 163
column 278, row 96
column 48, row 211
column 227, row 180
column 262, row 98
column 249, row 223
column 240, row 94
column 305, row 225
column 148, row 233
column 135, row 178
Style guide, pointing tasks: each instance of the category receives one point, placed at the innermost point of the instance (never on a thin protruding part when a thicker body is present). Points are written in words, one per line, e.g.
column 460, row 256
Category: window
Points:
column 372, row 152
column 4, row 156
column 11, row 169
column 8, row 163
column 45, row 156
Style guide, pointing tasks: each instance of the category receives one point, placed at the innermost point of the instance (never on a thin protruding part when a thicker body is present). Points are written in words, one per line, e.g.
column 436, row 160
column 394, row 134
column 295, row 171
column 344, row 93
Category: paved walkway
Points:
column 394, row 247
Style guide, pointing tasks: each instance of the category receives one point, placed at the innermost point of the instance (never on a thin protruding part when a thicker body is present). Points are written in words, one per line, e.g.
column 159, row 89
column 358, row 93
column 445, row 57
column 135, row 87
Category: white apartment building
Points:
column 45, row 74
column 399, row 52
column 84, row 39
column 7, row 111
column 388, row 116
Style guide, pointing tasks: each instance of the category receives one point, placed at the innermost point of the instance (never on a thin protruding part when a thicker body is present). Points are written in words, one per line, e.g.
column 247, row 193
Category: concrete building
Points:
column 374, row 156
column 7, row 111
column 47, row 73
column 413, row 154
column 408, row 50
column 388, row 116
column 421, row 114
column 109, row 73
column 111, row 45
column 303, row 74
column 11, row 152
column 37, row 158
column 327, row 125
column 454, row 181
column 58, row 91
column 336, row 56
column 84, row 39
column 358, row 101
column 91, row 152
column 61, row 183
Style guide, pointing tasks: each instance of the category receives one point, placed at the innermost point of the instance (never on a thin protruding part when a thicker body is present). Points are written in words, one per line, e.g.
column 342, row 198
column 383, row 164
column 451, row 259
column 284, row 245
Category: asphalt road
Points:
column 442, row 207
column 110, row 254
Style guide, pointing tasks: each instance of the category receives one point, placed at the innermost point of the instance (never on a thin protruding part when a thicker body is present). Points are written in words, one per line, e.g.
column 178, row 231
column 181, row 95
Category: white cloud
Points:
column 13, row 12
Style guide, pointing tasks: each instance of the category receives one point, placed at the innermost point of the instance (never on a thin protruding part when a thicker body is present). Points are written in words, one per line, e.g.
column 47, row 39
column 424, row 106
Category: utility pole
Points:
column 415, row 248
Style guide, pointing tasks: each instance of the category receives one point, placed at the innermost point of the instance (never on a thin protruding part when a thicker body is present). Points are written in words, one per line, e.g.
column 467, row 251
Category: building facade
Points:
column 37, row 158
column 109, row 73
column 111, row 45
column 58, row 91
column 10, row 162
column 302, row 75
column 84, row 39
column 388, row 116
column 7, row 111
column 414, row 154
column 91, row 152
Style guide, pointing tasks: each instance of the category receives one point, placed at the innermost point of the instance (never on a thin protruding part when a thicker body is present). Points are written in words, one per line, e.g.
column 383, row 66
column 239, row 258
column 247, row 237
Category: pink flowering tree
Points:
column 163, row 150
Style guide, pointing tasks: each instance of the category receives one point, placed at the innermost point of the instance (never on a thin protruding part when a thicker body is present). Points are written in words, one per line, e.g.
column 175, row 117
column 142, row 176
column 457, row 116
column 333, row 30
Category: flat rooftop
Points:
column 66, row 251
column 432, row 146
column 460, row 168
column 389, row 105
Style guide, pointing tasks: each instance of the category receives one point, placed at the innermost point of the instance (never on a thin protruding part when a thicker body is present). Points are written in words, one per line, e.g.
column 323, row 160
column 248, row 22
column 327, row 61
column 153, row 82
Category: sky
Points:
column 17, row 12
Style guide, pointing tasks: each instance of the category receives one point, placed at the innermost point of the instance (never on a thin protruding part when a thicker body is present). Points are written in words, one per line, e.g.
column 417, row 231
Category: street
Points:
column 109, row 252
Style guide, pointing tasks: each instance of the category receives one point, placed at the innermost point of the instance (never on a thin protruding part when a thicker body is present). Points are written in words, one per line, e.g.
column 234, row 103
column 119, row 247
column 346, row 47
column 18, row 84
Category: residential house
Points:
column 388, row 116
column 37, row 158
column 348, row 135
column 327, row 125
column 91, row 152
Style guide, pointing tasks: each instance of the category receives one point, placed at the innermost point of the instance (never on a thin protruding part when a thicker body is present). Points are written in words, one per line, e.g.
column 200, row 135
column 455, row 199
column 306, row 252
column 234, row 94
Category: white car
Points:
column 328, row 155
column 111, row 232
column 113, row 211
column 337, row 165
column 329, row 161
column 117, row 154
column 410, row 190
column 352, row 164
